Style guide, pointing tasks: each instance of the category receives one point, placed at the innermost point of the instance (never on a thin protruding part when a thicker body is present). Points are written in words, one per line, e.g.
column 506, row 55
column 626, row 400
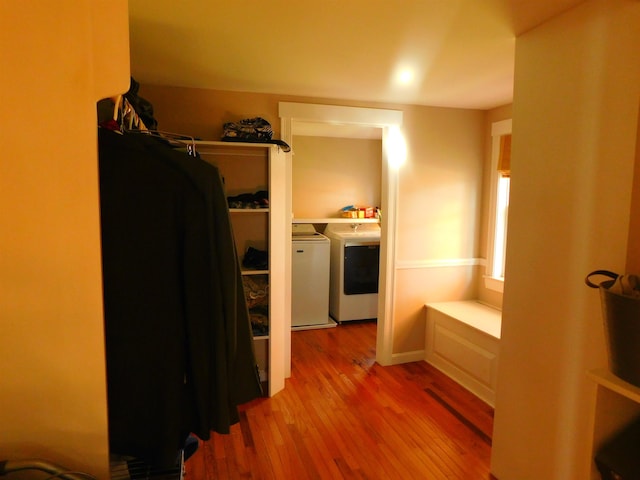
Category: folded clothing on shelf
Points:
column 259, row 320
column 255, row 259
column 256, row 288
column 253, row 130
column 249, row 129
column 259, row 199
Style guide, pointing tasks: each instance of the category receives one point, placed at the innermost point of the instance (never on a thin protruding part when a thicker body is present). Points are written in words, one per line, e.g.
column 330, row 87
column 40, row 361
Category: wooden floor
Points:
column 343, row 416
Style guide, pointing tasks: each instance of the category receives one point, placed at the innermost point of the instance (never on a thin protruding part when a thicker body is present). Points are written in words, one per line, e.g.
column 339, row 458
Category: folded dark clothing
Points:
column 260, row 199
column 259, row 320
column 255, row 259
column 255, row 129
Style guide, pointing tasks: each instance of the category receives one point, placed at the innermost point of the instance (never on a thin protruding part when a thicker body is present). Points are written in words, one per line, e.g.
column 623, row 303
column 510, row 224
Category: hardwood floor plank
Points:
column 343, row 416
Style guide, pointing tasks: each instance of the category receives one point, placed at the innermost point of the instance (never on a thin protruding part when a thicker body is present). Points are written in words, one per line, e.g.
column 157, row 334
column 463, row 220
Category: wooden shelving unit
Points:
column 615, row 404
column 249, row 168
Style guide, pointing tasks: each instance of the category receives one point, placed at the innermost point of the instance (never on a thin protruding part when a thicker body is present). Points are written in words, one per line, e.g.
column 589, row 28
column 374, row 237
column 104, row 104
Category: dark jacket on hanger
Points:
column 207, row 180
column 179, row 355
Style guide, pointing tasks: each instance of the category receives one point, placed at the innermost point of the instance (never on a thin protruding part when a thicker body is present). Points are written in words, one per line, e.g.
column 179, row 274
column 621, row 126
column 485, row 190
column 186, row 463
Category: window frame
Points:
column 492, row 281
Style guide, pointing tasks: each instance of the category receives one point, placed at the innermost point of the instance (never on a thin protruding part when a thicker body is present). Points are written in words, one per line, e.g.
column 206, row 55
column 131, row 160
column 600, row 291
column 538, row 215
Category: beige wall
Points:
column 439, row 200
column 440, row 184
column 575, row 111
column 440, row 191
column 633, row 253
column 331, row 173
column 52, row 386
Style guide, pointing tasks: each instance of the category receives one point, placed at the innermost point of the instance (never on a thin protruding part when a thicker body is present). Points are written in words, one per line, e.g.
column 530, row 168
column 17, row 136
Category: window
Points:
column 499, row 209
column 500, row 231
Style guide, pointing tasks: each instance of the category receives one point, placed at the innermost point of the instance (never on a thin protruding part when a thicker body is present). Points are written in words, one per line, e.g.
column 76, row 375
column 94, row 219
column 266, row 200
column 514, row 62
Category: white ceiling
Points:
column 460, row 52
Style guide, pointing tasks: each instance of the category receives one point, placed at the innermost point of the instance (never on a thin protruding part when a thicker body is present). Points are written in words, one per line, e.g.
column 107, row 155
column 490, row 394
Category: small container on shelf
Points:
column 353, row 211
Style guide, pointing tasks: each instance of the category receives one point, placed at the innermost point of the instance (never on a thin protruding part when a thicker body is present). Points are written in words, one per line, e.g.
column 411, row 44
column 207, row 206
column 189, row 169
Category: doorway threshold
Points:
column 331, row 323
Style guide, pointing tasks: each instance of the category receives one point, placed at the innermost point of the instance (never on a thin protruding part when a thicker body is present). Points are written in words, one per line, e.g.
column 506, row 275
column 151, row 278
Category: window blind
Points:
column 504, row 159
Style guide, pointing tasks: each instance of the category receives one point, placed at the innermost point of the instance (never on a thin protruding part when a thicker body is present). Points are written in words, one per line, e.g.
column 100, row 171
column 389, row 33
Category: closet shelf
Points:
column 232, row 145
column 255, row 272
column 604, row 377
column 249, row 210
column 256, row 167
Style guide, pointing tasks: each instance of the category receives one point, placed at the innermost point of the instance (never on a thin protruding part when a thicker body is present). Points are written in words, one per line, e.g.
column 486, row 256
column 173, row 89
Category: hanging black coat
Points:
column 237, row 327
column 177, row 349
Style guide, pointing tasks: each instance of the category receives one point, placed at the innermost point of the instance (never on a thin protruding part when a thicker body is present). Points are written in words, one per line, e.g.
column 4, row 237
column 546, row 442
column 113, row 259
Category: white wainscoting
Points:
column 446, row 262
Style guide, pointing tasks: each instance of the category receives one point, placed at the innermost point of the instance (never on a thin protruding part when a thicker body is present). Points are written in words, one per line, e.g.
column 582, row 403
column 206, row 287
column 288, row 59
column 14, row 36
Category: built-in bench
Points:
column 463, row 340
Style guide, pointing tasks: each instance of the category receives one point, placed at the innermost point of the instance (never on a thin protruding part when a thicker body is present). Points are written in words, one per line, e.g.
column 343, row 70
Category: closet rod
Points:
column 234, row 154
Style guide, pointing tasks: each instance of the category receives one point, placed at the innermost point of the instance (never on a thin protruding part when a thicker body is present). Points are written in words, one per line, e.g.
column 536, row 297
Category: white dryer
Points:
column 355, row 263
column 309, row 278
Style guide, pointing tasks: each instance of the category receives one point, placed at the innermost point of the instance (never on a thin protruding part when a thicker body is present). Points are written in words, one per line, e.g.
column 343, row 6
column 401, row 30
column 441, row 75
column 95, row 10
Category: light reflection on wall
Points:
column 396, row 147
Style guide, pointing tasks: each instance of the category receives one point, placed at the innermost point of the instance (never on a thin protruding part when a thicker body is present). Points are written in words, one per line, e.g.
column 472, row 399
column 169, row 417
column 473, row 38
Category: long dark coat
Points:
column 178, row 339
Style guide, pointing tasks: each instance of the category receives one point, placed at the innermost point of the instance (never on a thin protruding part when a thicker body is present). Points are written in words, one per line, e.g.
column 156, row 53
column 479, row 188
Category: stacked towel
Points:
column 627, row 285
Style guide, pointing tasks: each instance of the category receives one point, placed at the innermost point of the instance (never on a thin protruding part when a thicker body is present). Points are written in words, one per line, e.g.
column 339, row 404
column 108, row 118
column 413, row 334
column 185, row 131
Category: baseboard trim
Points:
column 407, row 357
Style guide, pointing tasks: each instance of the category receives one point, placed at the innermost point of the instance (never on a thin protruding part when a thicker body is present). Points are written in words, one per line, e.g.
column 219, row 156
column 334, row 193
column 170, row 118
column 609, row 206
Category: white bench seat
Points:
column 463, row 341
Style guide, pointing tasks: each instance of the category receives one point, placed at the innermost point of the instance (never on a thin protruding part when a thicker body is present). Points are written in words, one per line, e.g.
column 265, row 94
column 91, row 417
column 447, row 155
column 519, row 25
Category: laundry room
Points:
column 331, row 174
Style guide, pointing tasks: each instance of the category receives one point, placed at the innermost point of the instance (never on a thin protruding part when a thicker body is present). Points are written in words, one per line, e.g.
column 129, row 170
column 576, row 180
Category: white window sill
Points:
column 494, row 283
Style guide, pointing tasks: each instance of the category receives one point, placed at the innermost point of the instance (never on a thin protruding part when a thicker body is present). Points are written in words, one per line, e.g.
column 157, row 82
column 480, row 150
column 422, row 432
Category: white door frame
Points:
column 389, row 121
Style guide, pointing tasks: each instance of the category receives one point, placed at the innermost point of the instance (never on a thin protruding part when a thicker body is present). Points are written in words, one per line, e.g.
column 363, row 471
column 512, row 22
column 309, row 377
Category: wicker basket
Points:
column 621, row 315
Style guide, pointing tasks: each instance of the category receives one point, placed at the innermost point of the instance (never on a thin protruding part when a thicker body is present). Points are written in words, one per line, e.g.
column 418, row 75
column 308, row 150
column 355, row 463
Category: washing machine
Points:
column 310, row 255
column 354, row 273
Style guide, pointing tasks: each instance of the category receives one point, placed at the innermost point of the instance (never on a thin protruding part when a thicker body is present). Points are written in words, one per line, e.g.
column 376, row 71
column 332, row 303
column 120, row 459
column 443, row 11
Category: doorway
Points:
column 387, row 123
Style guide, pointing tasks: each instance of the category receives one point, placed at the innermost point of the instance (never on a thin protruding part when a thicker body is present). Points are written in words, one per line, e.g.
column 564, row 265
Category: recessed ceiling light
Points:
column 405, row 77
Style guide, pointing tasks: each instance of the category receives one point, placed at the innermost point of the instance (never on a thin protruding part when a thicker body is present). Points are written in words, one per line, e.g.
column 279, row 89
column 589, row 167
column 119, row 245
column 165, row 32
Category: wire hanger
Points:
column 125, row 119
column 128, row 117
column 175, row 139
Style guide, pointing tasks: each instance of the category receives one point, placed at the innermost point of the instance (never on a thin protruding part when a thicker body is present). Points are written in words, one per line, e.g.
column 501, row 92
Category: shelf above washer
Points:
column 335, row 220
